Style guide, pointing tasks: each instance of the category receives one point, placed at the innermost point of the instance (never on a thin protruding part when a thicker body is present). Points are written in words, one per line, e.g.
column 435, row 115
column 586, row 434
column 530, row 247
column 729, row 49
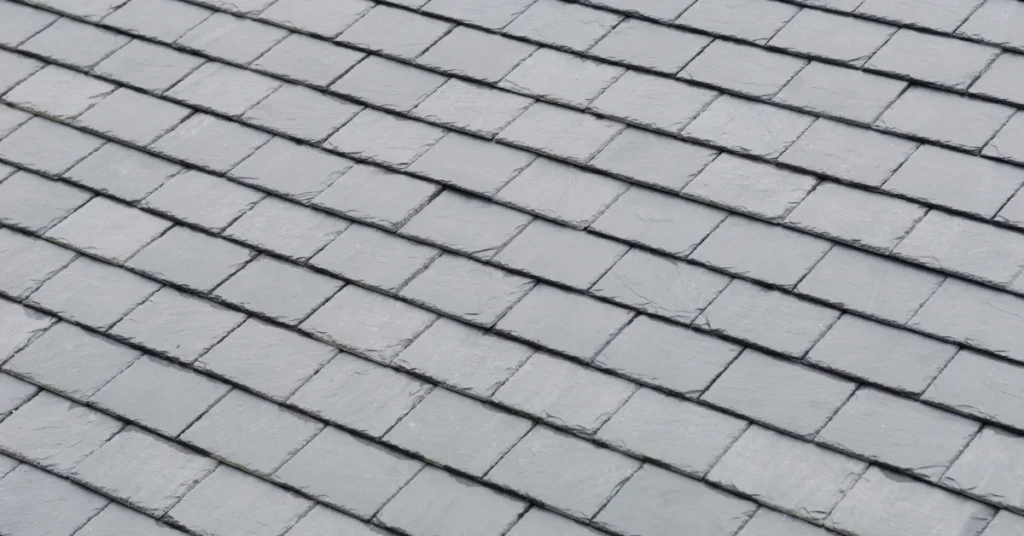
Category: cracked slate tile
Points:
column 475, row 54
column 16, row 68
column 73, row 42
column 748, row 127
column 27, row 263
column 322, row 520
column 744, row 69
column 1007, row 144
column 21, row 326
column 232, row 38
column 564, row 393
column 297, row 171
column 122, row 172
column 539, row 522
column 999, row 80
column 466, row 224
column 771, row 523
column 652, row 46
column 563, row 24
column 306, row 59
column 569, row 474
column 839, row 38
column 223, row 88
column 985, row 317
column 10, row 120
column 561, row 77
column 210, row 142
column 37, row 503
column 748, row 20
column 801, row 479
column 659, row 221
column 981, row 386
column 997, row 22
column 472, row 164
column 204, row 200
column 277, row 289
column 463, row 357
column 384, row 138
column 363, row 254
column 750, row 187
column 395, row 32
column 989, row 469
column 652, row 159
column 1005, row 524
column 376, row 196
column 662, row 10
column 192, row 259
column 658, row 502
column 553, row 252
column 148, row 117
column 559, row 132
column 562, row 192
column 144, row 471
column 59, row 93
column 148, row 65
column 888, row 504
column 302, row 113
column 243, row 7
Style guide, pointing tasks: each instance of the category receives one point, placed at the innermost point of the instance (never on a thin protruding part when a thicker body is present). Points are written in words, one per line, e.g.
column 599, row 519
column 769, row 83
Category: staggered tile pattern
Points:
column 511, row 267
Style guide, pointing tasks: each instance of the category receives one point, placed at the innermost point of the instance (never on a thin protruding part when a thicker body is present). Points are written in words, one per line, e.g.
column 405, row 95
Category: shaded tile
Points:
column 939, row 60
column 388, row 84
column 466, row 224
column 472, row 164
column 302, row 113
column 35, row 204
column 748, row 20
column 384, row 138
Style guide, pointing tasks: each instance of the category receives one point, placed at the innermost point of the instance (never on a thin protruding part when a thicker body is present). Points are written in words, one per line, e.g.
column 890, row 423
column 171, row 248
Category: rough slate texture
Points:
column 511, row 267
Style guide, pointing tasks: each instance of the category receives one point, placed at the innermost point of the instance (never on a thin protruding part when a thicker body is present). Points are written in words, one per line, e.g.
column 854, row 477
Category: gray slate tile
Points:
column 781, row 394
column 562, row 133
column 563, row 24
column 223, row 88
column 10, row 120
column 143, row 470
column 870, row 284
column 349, row 473
column 204, row 200
column 306, row 59
column 48, row 147
column 771, row 523
column 894, row 358
column 1007, row 144
column 27, row 499
column 835, row 91
column 667, row 356
column 798, row 478
column 302, row 113
column 564, row 393
column 472, row 164
column 834, row 37
column 748, row 20
column 748, row 127
column 269, row 360
column 161, row 20
column 232, row 38
column 567, row 322
column 58, row 93
column 687, row 437
column 934, row 59
column 569, row 474
column 662, row 10
column 750, row 187
column 286, row 228
column 376, row 196
column 28, row 262
column 116, row 520
column 980, row 386
column 989, row 469
column 177, row 325
column 395, row 32
column 476, row 109
column 192, row 259
column 108, row 230
column 469, row 225
column 493, row 14
column 21, row 326
column 150, row 117
column 384, row 138
column 54, row 433
column 210, row 142
column 849, row 153
column 388, row 84
column 1005, row 524
column 653, row 101
column 659, row 221
column 561, row 77
column 468, row 290
column 648, row 45
column 22, row 22
column 122, row 172
column 538, row 522
column 888, row 504
column 229, row 500
column 479, row 55
column 562, row 192
column 658, row 502
column 160, row 396
column 323, row 521
column 463, row 358
column 928, row 441
column 71, row 360
column 658, row 161
column 767, row 318
column 436, row 502
column 16, row 68
column 326, row 18
column 73, row 42
column 361, row 395
column 966, row 312
column 459, row 432
column 995, row 22
column 297, row 171
column 148, row 65
column 1013, row 211
column 743, row 69
column 553, row 252
column 15, row 393
column 376, row 258
column 964, row 123
column 944, row 16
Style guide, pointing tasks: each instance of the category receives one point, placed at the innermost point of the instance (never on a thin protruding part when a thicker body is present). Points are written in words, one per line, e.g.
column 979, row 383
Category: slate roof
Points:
column 511, row 267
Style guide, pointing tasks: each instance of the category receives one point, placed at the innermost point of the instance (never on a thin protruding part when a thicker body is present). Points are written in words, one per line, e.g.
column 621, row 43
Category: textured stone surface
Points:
column 37, row 503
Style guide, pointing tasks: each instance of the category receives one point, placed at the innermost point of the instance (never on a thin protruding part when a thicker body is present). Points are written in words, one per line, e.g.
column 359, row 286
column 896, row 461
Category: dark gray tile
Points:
column 928, row 442
column 148, row 65
column 384, row 138
column 388, row 84
column 479, row 55
column 748, row 127
column 143, row 470
column 935, row 59
column 476, row 109
column 750, row 187
column 835, row 91
column 223, row 88
column 964, row 123
column 286, row 228
column 563, row 24
column 562, row 192
column 459, row 432
column 279, row 290
column 554, row 252
column 306, row 59
column 54, row 433
column 92, row 293
column 122, row 172
column 48, row 147
column 297, row 171
column 660, row 221
column 660, row 286
column 436, row 502
column 781, row 394
column 321, row 17
column 977, row 385
column 108, row 229
column 748, row 20
column 653, row 101
column 192, row 259
column 848, row 40
column 944, row 16
column 269, row 360
column 569, row 474
column 466, row 224
column 472, row 164
column 368, row 324
column 652, row 425
column 204, row 200
column 376, row 258
column 567, row 322
column 889, row 504
column 229, row 500
column 177, row 325
column 377, row 196
column 59, row 93
column 767, row 318
column 559, row 132
column 159, row 396
column 753, row 249
column 648, row 158
column 210, row 142
column 743, row 69
column 463, row 358
column 667, row 356
column 652, row 46
column 895, row 358
column 26, row 508
column 865, row 219
column 658, row 502
column 493, row 14
column 468, row 290
column 232, row 38
column 73, row 42
column 870, row 284
column 395, row 32
column 71, row 361
column 564, row 393
column 161, row 20
column 798, row 478
column 561, row 77
column 987, row 469
column 26, row 263
column 349, row 473
column 849, row 153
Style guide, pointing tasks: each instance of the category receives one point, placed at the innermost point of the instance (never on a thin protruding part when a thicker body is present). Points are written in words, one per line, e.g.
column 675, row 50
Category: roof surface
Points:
column 511, row 267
